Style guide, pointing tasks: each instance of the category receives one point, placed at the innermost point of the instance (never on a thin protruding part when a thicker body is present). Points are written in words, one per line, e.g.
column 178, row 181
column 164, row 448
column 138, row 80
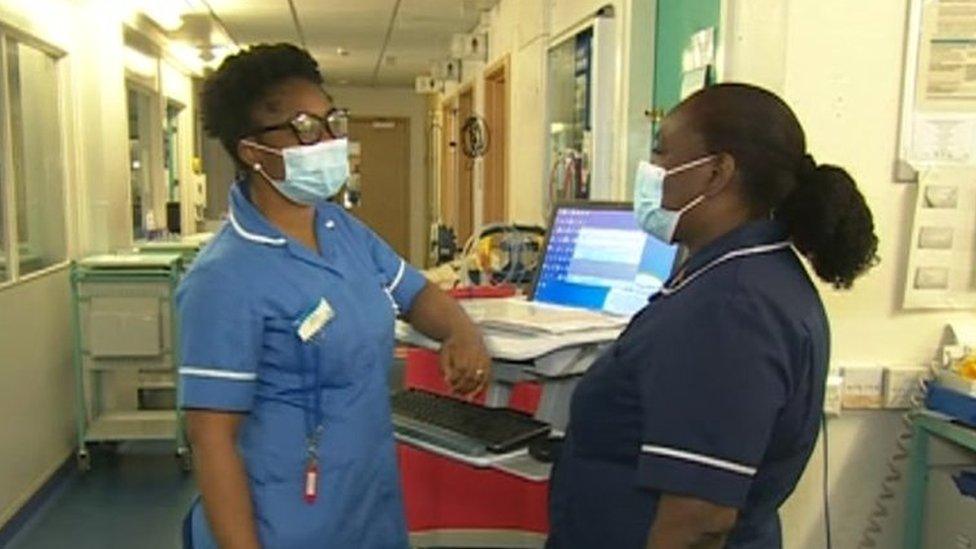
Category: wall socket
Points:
column 863, row 387
column 900, row 385
column 833, row 395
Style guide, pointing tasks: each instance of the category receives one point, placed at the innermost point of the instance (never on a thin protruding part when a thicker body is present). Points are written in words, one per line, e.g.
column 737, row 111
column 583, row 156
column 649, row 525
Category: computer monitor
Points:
column 596, row 257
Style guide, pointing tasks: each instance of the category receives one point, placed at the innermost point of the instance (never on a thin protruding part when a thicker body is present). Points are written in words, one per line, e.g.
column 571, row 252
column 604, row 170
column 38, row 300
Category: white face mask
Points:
column 313, row 173
column 649, row 209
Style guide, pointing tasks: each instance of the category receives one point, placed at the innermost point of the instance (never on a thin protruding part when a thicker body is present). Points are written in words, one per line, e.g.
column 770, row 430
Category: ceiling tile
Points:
column 421, row 34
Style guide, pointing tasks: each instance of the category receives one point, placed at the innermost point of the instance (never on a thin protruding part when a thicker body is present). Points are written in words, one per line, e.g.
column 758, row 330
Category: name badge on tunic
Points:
column 313, row 323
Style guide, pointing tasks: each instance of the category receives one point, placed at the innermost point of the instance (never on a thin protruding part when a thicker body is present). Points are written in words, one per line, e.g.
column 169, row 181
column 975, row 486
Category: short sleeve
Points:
column 709, row 411
column 220, row 342
column 403, row 282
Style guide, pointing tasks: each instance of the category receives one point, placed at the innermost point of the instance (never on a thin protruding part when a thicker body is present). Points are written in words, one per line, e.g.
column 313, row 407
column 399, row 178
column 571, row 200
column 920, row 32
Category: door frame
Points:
column 496, row 163
column 465, row 196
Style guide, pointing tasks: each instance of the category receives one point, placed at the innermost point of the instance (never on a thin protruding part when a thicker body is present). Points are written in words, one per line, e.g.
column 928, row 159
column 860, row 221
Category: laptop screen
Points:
column 598, row 258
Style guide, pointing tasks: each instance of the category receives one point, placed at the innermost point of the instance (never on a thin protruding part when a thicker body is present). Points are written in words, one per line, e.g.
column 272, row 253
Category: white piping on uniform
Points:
column 251, row 236
column 399, row 276
column 218, row 374
column 699, row 459
column 743, row 252
column 389, row 294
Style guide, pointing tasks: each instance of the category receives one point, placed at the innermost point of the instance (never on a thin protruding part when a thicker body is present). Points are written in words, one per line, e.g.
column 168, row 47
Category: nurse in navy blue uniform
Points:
column 694, row 427
column 287, row 329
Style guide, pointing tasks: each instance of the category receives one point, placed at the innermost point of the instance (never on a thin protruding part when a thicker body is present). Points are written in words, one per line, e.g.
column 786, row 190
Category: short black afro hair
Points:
column 243, row 79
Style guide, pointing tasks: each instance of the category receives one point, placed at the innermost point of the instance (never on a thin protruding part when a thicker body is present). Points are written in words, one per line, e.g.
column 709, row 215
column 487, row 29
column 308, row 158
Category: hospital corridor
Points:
column 487, row 274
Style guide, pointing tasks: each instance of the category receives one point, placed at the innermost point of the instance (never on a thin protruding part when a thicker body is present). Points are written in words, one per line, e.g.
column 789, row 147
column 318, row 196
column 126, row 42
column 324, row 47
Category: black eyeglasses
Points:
column 309, row 128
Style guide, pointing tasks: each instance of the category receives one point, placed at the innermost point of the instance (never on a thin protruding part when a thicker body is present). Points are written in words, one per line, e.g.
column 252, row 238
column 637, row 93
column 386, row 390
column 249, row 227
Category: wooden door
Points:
column 448, row 167
column 385, row 178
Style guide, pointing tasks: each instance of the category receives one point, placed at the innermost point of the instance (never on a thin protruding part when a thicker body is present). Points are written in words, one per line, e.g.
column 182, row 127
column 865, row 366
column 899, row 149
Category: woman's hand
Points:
column 465, row 363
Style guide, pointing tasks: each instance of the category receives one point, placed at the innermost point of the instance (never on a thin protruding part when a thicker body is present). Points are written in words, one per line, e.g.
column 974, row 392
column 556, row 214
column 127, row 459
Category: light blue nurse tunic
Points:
column 241, row 306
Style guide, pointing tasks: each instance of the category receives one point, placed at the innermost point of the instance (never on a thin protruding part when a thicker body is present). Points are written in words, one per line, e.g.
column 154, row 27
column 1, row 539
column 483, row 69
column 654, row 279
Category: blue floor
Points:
column 133, row 497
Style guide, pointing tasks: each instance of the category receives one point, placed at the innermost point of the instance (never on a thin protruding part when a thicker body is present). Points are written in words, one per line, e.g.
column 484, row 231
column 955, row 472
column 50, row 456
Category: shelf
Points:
column 526, row 467
column 960, row 434
column 138, row 425
column 154, row 385
column 128, row 365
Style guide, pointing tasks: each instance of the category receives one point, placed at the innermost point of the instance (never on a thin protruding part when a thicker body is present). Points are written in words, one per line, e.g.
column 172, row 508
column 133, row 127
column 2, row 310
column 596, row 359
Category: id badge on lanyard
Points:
column 310, row 327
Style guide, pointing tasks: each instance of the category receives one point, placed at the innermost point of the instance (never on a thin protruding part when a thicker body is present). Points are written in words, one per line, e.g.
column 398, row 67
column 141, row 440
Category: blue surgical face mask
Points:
column 313, row 173
column 652, row 216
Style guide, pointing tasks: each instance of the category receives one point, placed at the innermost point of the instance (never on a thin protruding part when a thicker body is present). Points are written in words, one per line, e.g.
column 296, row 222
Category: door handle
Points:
column 655, row 115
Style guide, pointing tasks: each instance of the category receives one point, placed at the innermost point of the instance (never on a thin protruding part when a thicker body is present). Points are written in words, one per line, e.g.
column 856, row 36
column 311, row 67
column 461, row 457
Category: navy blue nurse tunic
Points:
column 714, row 391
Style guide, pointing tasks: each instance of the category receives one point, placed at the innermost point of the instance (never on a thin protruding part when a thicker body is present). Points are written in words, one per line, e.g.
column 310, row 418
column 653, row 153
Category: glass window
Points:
column 570, row 142
column 140, row 162
column 37, row 156
column 4, row 252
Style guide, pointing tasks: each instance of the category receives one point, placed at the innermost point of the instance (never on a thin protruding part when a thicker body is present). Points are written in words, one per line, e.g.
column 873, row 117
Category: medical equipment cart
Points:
column 125, row 348
column 188, row 246
column 936, row 514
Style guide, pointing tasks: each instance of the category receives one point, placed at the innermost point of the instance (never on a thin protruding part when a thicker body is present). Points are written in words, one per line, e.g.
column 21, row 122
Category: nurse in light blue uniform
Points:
column 287, row 330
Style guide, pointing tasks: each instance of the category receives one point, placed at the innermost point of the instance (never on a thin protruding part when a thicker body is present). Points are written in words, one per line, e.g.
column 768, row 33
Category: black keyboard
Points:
column 462, row 426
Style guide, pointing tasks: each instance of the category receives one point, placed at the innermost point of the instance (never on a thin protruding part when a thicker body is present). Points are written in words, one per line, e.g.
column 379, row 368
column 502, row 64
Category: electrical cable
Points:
column 894, row 465
column 516, row 261
column 465, row 251
column 510, row 232
column 826, row 484
column 469, row 245
column 513, row 232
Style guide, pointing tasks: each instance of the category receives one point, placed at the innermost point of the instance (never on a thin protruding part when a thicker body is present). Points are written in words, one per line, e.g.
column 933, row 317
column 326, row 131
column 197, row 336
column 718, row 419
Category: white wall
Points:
column 844, row 72
column 403, row 103
column 841, row 70
column 520, row 30
column 100, row 120
column 36, row 387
